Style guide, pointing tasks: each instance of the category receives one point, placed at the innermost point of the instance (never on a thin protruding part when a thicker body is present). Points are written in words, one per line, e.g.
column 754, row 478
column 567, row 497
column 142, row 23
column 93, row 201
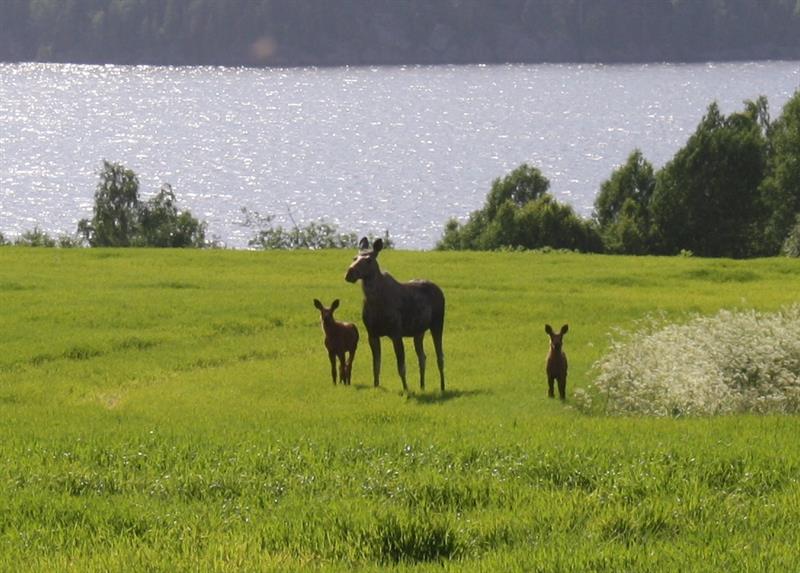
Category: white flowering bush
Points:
column 735, row 361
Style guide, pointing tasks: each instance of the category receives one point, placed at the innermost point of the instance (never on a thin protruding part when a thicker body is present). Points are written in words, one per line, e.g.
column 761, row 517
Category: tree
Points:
column 122, row 220
column 545, row 222
column 162, row 225
column 116, row 203
column 520, row 213
column 521, row 186
column 791, row 246
column 781, row 187
column 706, row 199
column 622, row 208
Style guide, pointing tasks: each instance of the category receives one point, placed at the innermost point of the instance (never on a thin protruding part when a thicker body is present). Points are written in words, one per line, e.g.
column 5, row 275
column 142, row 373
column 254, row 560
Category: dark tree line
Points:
column 326, row 32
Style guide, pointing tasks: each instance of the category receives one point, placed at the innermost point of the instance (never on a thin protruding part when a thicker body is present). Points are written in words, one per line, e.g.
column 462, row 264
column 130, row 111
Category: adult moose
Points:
column 397, row 310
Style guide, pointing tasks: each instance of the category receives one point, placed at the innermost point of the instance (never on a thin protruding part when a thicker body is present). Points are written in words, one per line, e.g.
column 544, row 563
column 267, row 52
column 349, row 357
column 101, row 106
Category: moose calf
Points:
column 556, row 362
column 340, row 338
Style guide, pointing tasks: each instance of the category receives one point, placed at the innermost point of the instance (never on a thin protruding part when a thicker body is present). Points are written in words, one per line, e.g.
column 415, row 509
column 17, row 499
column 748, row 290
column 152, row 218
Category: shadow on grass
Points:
column 427, row 397
column 437, row 397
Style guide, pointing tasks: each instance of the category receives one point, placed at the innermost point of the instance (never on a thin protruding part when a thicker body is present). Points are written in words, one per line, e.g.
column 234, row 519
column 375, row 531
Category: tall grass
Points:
column 172, row 411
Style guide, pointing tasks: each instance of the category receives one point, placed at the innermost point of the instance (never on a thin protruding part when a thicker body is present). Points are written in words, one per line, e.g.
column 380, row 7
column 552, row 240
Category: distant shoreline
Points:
column 281, row 33
column 789, row 56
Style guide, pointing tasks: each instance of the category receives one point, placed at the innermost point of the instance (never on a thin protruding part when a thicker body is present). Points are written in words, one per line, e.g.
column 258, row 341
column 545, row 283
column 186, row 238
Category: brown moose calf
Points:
column 341, row 338
column 556, row 362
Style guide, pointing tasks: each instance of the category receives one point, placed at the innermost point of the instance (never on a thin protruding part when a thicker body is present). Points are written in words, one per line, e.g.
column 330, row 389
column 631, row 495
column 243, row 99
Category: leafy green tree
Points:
column 520, row 213
column 522, row 185
column 781, row 187
column 116, row 208
column 791, row 246
column 122, row 220
column 544, row 222
column 162, row 225
column 707, row 199
column 622, row 208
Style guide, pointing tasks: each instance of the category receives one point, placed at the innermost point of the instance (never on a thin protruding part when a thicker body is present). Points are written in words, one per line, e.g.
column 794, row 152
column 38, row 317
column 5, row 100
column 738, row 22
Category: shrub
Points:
column 36, row 237
column 735, row 361
column 315, row 235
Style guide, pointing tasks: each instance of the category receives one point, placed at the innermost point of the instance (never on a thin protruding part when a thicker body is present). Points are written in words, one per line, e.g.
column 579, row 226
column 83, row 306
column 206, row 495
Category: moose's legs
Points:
column 420, row 349
column 551, row 388
column 400, row 353
column 332, row 358
column 342, row 368
column 436, row 333
column 375, row 346
column 562, row 387
column 348, row 372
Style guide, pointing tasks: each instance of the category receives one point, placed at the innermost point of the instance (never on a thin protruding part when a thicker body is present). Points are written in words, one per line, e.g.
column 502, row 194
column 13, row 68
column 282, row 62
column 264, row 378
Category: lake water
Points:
column 369, row 149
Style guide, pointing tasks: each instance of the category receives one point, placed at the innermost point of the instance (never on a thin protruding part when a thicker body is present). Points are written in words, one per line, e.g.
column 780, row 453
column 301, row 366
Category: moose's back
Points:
column 410, row 309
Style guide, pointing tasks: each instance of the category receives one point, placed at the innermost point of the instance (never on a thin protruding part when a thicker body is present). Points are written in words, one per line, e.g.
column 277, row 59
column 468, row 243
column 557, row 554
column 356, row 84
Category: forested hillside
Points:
column 357, row 32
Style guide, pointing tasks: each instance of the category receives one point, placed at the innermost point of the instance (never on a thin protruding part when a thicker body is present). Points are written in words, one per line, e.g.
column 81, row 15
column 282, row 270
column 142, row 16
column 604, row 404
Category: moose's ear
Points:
column 377, row 246
column 564, row 329
column 548, row 329
column 363, row 244
column 318, row 304
column 335, row 304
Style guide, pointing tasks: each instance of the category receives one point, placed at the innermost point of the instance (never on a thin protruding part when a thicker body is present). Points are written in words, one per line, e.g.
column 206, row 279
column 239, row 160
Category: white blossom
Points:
column 734, row 361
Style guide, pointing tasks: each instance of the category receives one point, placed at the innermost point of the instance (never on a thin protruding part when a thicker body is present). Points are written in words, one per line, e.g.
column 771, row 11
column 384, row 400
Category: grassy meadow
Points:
column 170, row 410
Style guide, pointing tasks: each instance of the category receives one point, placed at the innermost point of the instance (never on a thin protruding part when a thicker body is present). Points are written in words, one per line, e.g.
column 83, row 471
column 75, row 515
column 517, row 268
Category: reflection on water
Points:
column 397, row 148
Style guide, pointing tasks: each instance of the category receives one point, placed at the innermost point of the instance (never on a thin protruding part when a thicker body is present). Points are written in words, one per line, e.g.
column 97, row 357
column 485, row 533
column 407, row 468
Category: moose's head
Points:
column 556, row 340
column 326, row 314
column 365, row 263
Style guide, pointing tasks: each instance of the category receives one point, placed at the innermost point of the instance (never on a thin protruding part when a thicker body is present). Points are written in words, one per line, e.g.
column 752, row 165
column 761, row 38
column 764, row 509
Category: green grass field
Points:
column 173, row 411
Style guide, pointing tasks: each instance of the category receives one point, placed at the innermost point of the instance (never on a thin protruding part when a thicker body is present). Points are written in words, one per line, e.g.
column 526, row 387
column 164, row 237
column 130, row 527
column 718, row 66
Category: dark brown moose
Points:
column 341, row 338
column 397, row 310
column 557, row 362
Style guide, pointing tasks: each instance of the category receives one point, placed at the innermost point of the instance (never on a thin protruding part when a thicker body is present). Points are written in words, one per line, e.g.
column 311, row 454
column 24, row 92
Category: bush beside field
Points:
column 172, row 411
column 731, row 362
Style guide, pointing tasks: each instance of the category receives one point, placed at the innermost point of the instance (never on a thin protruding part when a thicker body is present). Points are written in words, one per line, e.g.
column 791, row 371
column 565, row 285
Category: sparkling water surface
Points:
column 401, row 149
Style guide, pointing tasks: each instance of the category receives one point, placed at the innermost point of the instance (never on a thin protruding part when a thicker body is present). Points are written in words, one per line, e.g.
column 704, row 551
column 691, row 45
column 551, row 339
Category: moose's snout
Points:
column 350, row 276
